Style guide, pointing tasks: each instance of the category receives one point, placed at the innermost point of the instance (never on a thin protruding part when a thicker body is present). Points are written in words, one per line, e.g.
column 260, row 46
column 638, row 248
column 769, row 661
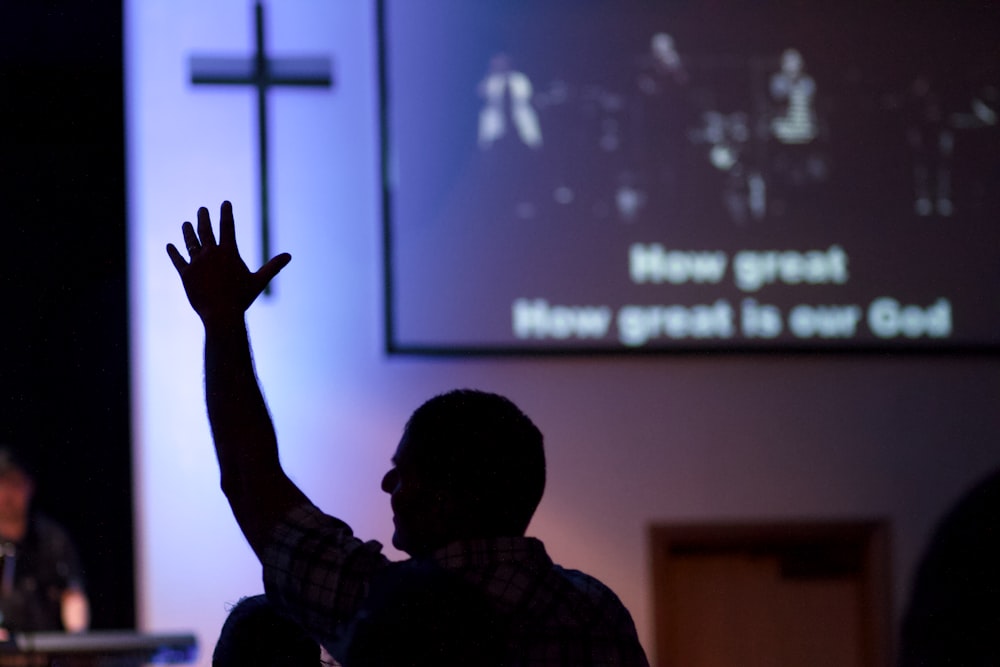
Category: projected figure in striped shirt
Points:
column 796, row 89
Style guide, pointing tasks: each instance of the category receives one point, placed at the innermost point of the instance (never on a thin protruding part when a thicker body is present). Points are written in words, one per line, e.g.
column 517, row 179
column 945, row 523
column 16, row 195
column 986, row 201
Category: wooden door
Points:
column 771, row 595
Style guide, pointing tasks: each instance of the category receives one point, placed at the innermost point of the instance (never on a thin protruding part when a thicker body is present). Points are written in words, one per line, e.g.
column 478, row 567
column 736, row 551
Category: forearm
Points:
column 258, row 490
column 220, row 288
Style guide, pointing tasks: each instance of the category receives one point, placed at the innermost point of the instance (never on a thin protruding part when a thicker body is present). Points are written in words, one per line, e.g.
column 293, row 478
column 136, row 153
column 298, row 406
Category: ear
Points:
column 451, row 511
column 446, row 502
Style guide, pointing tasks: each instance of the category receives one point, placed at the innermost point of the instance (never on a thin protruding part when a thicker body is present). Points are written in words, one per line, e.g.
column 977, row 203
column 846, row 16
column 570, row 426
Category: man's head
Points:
column 469, row 464
column 16, row 487
column 255, row 634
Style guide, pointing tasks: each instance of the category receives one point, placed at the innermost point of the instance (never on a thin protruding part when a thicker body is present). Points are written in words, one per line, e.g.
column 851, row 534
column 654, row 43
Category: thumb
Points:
column 267, row 272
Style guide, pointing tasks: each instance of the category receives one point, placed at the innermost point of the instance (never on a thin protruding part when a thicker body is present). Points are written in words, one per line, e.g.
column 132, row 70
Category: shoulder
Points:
column 47, row 530
column 307, row 533
column 308, row 523
column 585, row 621
column 547, row 610
column 522, row 576
column 575, row 598
column 587, row 596
column 316, row 571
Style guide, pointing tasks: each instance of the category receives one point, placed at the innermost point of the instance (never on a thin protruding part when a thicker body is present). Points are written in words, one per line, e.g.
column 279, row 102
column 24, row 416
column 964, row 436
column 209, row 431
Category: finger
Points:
column 227, row 226
column 176, row 257
column 190, row 238
column 205, row 228
column 265, row 273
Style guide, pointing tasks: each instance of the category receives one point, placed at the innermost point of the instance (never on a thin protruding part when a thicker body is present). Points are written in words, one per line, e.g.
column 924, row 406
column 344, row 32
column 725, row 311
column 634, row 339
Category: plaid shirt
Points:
column 319, row 572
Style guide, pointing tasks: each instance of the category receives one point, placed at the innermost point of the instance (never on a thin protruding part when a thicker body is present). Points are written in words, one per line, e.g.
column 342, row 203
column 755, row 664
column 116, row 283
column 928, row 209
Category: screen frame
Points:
column 550, row 348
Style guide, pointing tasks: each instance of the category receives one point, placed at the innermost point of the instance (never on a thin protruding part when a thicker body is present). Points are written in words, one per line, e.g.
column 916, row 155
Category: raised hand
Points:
column 216, row 279
column 220, row 288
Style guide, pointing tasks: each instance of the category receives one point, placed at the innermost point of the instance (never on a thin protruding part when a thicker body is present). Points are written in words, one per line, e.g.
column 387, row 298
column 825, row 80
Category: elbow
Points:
column 233, row 487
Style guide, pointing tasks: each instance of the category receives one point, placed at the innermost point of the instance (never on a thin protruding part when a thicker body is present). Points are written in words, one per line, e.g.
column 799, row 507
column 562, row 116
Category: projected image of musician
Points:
column 931, row 141
column 663, row 65
column 41, row 579
column 797, row 159
column 934, row 123
column 728, row 137
column 660, row 116
column 507, row 93
column 794, row 87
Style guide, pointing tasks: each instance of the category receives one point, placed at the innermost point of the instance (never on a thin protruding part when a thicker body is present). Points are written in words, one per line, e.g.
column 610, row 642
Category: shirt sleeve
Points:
column 63, row 568
column 318, row 572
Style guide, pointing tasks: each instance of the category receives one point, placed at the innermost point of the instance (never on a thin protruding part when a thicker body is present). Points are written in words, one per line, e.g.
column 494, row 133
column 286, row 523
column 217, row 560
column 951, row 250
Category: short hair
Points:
column 484, row 448
column 256, row 634
column 12, row 460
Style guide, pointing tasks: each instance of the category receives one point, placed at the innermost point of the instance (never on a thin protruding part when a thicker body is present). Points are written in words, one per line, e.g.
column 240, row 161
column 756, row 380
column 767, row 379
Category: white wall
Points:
column 631, row 441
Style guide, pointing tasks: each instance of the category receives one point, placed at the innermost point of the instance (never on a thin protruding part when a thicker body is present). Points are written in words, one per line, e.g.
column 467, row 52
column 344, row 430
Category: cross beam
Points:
column 263, row 73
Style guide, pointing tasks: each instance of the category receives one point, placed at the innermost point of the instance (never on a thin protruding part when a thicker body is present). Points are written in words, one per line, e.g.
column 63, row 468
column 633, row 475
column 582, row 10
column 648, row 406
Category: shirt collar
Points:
column 491, row 551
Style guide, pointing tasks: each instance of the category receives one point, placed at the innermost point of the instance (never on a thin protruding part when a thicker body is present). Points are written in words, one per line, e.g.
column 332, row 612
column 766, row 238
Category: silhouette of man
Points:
column 466, row 478
column 953, row 613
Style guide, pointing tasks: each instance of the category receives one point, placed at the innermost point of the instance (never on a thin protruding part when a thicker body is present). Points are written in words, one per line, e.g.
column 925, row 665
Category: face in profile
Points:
column 421, row 510
column 15, row 495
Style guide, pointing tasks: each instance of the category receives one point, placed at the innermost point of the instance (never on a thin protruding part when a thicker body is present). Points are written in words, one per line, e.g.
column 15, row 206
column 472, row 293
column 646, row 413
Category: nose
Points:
column 390, row 481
